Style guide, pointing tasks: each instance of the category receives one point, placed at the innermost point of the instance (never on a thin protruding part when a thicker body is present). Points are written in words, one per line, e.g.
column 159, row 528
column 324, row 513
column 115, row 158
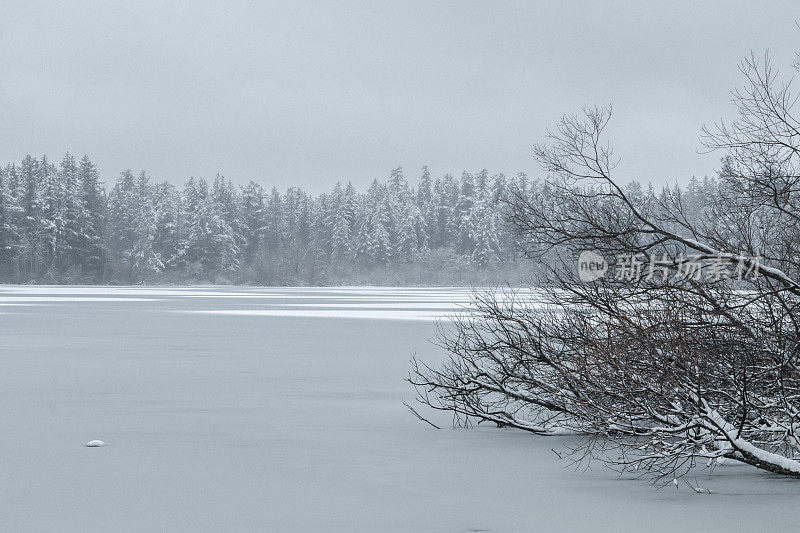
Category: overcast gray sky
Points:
column 306, row 94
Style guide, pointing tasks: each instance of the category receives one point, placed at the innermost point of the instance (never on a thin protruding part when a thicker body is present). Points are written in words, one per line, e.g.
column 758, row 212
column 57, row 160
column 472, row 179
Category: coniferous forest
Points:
column 60, row 223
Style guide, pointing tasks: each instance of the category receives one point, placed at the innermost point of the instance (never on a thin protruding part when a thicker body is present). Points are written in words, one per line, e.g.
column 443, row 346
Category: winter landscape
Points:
column 247, row 409
column 399, row 266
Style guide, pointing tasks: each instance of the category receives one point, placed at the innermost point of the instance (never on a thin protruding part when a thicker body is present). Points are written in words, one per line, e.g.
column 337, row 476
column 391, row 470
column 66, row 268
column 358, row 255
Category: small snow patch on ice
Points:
column 95, row 444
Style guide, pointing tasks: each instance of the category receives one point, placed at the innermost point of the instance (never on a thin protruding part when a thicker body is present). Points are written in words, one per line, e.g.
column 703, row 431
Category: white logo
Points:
column 591, row 266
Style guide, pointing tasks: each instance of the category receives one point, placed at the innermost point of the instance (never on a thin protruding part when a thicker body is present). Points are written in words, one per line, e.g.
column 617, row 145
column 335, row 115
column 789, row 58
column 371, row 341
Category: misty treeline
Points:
column 59, row 225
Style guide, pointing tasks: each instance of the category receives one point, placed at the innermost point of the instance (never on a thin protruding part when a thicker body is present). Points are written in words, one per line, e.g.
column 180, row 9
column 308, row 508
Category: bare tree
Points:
column 690, row 351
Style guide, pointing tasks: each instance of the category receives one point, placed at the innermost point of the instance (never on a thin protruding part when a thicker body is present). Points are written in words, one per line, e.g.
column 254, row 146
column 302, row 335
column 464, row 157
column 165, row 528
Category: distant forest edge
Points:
column 59, row 224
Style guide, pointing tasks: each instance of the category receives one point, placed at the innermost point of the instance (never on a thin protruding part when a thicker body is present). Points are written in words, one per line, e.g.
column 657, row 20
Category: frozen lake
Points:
column 243, row 409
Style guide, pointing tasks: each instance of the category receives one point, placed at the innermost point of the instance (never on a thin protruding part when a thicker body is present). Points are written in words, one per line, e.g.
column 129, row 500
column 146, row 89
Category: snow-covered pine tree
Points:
column 340, row 228
column 380, row 248
column 72, row 207
column 31, row 248
column 446, row 198
column 427, row 210
column 406, row 245
column 133, row 227
column 275, row 224
column 91, row 248
column 228, row 204
column 8, row 229
column 145, row 258
column 53, row 221
column 466, row 199
column 168, row 209
column 484, row 224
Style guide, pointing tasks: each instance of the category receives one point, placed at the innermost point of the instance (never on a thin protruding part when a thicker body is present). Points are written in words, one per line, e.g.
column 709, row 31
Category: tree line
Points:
column 58, row 224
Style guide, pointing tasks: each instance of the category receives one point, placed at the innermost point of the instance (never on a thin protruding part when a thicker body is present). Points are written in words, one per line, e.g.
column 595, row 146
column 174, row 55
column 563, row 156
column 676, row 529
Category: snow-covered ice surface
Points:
column 272, row 421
